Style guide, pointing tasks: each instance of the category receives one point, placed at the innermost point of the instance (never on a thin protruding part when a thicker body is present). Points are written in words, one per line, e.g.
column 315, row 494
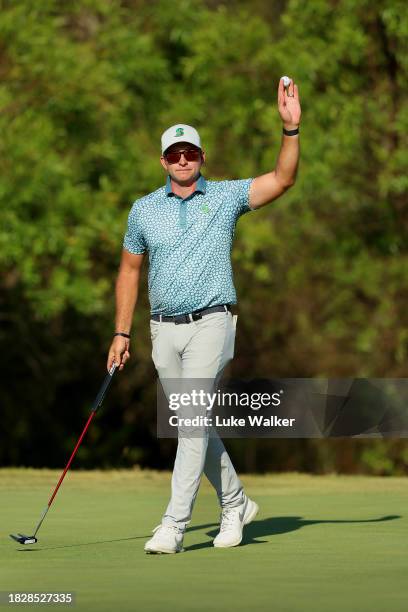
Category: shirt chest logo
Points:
column 205, row 208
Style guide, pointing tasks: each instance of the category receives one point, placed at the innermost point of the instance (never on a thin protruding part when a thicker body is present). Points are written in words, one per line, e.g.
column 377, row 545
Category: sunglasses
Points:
column 190, row 155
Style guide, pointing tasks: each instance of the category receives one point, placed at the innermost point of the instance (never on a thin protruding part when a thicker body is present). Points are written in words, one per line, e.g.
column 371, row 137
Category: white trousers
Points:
column 197, row 350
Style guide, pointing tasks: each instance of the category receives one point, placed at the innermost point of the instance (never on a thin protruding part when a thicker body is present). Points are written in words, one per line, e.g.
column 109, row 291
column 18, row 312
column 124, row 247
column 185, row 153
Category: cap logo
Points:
column 179, row 132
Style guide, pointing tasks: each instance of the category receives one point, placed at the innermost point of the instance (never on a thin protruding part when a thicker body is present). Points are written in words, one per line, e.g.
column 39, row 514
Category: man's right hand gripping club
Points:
column 118, row 352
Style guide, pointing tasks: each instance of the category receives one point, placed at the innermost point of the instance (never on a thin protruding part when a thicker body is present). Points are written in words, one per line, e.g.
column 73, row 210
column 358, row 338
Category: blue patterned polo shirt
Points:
column 189, row 243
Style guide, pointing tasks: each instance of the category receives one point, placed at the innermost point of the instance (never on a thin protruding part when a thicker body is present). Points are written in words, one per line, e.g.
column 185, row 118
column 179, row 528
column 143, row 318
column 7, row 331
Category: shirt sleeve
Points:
column 134, row 241
column 240, row 194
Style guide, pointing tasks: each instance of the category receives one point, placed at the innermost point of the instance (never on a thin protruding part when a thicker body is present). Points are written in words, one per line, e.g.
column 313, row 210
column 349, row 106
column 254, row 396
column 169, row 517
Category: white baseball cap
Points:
column 180, row 133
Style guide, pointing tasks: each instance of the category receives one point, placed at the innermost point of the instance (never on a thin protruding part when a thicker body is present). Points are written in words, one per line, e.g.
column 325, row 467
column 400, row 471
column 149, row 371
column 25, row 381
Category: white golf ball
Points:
column 286, row 81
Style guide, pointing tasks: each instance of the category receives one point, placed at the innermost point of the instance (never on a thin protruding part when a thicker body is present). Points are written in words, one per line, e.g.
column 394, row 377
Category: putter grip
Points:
column 101, row 393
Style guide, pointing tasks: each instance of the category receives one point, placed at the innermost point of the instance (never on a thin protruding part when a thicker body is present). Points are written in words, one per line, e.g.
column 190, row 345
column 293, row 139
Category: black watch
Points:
column 291, row 132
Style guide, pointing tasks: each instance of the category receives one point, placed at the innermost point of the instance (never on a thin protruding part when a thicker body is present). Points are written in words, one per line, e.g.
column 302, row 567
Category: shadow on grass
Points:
column 276, row 525
column 279, row 525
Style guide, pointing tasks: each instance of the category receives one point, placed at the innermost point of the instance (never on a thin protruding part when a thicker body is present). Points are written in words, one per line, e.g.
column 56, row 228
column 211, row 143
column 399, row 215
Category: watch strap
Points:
column 291, row 132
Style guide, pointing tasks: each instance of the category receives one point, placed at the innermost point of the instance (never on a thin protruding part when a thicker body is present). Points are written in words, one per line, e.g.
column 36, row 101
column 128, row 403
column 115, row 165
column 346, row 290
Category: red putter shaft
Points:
column 91, row 416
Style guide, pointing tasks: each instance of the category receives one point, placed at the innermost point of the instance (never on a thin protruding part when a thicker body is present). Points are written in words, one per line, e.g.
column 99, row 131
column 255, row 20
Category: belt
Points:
column 192, row 316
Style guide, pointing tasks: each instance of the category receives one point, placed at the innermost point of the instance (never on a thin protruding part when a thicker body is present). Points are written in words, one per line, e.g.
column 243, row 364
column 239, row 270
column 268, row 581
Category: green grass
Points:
column 320, row 543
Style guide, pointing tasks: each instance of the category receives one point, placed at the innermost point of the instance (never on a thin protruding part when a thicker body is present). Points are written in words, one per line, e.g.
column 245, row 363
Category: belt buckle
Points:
column 197, row 316
column 179, row 319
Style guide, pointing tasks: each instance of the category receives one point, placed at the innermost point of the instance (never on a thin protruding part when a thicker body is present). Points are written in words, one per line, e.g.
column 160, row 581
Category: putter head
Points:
column 23, row 539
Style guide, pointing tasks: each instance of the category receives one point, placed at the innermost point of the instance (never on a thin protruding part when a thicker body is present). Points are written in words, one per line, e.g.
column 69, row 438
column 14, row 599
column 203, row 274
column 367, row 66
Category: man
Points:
column 187, row 228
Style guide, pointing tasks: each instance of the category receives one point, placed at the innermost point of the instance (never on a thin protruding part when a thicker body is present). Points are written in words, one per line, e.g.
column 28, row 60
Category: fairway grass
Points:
column 320, row 543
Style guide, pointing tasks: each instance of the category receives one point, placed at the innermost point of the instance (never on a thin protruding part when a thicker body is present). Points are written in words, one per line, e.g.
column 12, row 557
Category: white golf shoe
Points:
column 167, row 539
column 233, row 521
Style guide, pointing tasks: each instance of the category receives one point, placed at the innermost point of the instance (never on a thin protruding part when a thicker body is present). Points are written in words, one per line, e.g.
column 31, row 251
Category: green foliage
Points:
column 86, row 89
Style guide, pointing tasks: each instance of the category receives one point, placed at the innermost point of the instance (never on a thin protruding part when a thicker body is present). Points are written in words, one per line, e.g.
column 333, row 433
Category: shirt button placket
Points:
column 183, row 214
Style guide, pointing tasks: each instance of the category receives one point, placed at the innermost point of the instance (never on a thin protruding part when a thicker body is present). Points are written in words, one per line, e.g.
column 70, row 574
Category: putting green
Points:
column 320, row 543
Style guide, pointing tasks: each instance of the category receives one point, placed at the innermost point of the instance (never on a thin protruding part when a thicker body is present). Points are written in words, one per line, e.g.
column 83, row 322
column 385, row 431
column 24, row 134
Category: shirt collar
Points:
column 201, row 185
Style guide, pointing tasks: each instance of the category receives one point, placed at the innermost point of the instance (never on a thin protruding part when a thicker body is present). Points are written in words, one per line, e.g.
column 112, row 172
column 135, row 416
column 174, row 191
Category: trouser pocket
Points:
column 230, row 348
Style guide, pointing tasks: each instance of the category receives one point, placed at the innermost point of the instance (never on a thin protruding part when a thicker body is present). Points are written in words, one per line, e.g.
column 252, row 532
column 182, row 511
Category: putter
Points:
column 25, row 539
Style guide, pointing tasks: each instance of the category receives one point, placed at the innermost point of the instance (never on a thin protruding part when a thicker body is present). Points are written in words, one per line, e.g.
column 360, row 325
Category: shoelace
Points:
column 227, row 517
column 169, row 527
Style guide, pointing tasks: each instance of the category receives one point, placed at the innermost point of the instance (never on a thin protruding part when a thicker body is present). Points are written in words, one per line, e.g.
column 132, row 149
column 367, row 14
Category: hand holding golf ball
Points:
column 288, row 103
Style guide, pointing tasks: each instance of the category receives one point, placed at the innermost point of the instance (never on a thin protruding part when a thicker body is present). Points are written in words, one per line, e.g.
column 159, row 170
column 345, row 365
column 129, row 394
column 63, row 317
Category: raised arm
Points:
column 268, row 187
column 127, row 287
